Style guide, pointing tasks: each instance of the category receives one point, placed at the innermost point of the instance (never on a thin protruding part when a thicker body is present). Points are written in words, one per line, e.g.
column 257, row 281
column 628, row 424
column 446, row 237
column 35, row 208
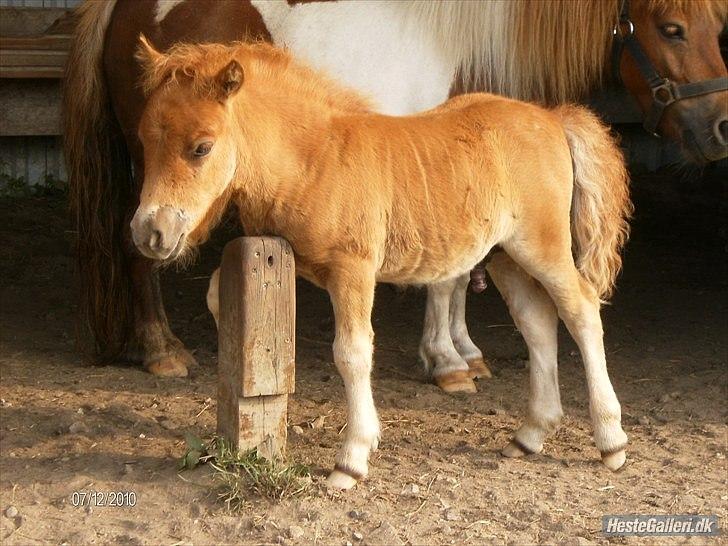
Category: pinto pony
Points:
column 419, row 200
column 408, row 56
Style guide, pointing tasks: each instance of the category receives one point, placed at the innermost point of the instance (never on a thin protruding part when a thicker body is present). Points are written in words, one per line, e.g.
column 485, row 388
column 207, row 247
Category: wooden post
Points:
column 257, row 331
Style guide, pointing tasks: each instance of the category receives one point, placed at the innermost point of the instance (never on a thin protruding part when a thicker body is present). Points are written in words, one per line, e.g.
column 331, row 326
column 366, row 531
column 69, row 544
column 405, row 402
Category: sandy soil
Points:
column 67, row 427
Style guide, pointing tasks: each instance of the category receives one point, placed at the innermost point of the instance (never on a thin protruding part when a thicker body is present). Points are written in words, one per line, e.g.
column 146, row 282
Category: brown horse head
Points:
column 189, row 159
column 680, row 40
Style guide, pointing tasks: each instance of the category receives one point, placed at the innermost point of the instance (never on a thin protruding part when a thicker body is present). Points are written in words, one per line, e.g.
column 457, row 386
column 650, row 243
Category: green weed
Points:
column 244, row 475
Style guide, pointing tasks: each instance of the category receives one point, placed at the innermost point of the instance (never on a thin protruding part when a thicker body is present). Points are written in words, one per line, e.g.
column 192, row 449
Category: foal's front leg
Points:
column 351, row 288
column 213, row 296
column 352, row 295
column 437, row 351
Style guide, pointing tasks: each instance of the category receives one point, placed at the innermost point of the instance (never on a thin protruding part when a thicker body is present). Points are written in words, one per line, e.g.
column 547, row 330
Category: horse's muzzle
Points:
column 705, row 137
column 159, row 233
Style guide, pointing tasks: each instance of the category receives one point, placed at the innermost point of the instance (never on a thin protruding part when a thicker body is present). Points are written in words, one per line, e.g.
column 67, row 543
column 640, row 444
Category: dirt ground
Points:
column 68, row 427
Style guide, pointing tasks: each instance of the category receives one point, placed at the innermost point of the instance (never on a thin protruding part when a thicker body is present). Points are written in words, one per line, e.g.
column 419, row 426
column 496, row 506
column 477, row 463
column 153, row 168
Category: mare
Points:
column 407, row 57
column 298, row 154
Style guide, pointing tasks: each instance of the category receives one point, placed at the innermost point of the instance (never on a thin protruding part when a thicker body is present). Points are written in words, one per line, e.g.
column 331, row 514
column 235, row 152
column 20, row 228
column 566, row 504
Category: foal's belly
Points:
column 430, row 266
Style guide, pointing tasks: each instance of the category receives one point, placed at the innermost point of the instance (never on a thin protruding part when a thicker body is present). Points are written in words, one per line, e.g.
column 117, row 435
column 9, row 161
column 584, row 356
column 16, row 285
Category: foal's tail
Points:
column 601, row 205
column 100, row 186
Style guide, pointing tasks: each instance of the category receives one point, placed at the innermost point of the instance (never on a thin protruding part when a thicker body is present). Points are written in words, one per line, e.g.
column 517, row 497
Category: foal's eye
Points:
column 673, row 31
column 202, row 149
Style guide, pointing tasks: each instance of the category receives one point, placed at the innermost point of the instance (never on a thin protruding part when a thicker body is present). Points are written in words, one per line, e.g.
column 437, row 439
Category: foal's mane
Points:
column 198, row 65
column 544, row 50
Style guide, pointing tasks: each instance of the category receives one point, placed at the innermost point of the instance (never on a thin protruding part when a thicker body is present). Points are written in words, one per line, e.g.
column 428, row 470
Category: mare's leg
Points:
column 449, row 371
column 535, row 316
column 459, row 330
column 578, row 306
column 351, row 288
column 152, row 342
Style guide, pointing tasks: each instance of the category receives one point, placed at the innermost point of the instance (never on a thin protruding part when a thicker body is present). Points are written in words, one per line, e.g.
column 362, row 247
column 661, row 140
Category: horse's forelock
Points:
column 717, row 8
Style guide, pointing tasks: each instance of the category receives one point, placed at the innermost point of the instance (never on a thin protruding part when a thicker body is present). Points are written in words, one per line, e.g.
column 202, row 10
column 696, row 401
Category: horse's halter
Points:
column 664, row 91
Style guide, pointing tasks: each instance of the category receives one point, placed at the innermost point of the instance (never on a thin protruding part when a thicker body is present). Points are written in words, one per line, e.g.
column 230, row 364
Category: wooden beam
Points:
column 256, row 365
column 33, row 56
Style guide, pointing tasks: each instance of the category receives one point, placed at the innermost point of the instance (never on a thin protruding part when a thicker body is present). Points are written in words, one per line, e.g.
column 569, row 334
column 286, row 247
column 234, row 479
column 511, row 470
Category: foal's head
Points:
column 190, row 156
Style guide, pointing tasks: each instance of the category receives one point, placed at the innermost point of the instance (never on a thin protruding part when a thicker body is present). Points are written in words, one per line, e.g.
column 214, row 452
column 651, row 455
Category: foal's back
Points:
column 457, row 179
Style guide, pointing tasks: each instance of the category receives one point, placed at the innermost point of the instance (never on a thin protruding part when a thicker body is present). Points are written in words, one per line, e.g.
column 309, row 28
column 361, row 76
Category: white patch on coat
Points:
column 163, row 8
column 371, row 46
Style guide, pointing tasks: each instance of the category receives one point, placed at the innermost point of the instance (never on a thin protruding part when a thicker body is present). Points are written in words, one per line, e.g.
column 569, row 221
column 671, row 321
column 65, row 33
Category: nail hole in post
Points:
column 270, row 261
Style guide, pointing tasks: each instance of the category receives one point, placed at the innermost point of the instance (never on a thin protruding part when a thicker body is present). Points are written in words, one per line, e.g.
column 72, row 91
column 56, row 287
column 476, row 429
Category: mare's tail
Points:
column 100, row 187
column 601, row 205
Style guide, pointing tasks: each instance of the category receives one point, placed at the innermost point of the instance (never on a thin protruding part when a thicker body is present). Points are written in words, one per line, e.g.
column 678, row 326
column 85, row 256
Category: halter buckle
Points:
column 663, row 93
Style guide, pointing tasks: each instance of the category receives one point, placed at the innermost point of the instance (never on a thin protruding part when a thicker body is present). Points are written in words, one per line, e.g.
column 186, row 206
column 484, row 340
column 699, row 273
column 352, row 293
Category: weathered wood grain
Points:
column 33, row 56
column 256, row 343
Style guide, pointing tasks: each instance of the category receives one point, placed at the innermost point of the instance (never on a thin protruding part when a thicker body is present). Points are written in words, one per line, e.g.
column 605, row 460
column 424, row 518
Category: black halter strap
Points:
column 664, row 91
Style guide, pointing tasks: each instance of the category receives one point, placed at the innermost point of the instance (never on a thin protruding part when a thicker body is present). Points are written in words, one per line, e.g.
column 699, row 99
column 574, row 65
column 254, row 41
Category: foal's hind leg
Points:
column 578, row 306
column 535, row 316
column 459, row 330
column 437, row 351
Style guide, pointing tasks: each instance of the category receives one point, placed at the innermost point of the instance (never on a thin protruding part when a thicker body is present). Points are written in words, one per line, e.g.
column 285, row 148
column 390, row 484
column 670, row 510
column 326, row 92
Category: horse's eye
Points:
column 202, row 149
column 673, row 31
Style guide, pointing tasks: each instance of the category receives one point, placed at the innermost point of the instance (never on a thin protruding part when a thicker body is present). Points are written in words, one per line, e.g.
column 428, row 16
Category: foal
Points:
column 364, row 198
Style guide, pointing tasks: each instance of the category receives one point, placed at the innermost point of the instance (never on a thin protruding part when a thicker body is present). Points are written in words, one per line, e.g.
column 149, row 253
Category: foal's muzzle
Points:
column 159, row 233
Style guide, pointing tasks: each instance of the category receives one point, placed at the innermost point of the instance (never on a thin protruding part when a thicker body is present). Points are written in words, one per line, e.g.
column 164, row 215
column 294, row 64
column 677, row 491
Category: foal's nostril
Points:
column 721, row 131
column 154, row 239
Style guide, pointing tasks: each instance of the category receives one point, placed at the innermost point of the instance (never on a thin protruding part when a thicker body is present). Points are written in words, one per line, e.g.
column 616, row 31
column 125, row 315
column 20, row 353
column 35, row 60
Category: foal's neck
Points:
column 285, row 111
column 274, row 73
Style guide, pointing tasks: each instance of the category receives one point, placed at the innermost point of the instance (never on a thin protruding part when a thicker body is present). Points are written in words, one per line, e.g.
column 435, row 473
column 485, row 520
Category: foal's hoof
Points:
column 478, row 368
column 516, row 449
column 614, row 460
column 457, row 381
column 171, row 365
column 512, row 451
column 340, row 480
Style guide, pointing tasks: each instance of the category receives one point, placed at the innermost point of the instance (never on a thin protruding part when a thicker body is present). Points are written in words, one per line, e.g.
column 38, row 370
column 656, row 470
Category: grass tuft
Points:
column 246, row 475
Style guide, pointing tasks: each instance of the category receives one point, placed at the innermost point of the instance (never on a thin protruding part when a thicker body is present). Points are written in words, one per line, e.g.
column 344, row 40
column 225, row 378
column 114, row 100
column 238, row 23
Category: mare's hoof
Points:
column 478, row 368
column 457, row 381
column 614, row 460
column 171, row 365
column 340, row 480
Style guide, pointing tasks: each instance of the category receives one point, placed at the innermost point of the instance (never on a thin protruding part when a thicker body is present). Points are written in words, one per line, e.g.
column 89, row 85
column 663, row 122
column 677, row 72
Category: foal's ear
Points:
column 146, row 54
column 229, row 80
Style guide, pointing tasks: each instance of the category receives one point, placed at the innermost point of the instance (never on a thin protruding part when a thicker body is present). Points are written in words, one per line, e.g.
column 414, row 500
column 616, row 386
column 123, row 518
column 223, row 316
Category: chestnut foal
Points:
column 364, row 197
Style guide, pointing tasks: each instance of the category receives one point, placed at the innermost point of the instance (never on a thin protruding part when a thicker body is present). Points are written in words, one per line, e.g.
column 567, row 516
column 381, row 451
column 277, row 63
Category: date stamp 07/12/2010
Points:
column 112, row 499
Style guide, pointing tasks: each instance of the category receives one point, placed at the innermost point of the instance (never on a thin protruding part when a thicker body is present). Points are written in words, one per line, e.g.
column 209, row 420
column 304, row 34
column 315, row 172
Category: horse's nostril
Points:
column 722, row 131
column 155, row 238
